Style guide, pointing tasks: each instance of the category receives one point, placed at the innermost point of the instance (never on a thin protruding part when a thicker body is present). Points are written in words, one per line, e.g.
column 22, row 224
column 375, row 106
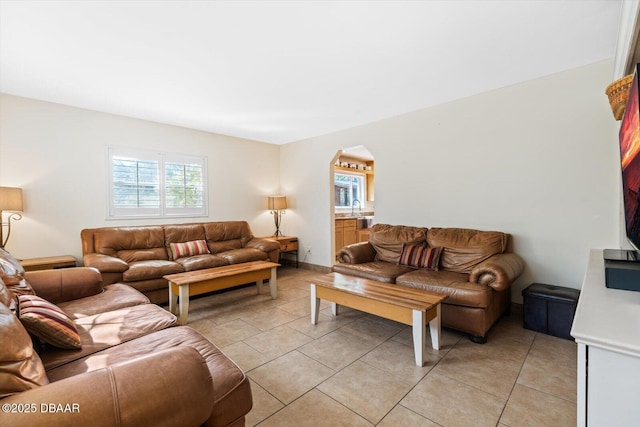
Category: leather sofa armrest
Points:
column 265, row 245
column 271, row 247
column 140, row 392
column 357, row 253
column 105, row 263
column 499, row 271
column 65, row 284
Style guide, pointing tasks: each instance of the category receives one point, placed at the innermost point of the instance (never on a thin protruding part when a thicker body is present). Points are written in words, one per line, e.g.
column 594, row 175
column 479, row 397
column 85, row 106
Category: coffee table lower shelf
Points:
column 412, row 307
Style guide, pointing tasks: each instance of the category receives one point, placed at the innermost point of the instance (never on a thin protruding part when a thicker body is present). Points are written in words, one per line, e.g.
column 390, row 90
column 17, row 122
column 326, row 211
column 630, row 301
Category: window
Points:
column 349, row 190
column 146, row 184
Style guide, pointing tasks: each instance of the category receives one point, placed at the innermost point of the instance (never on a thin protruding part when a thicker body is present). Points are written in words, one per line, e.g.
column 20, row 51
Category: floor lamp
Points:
column 10, row 201
column 277, row 206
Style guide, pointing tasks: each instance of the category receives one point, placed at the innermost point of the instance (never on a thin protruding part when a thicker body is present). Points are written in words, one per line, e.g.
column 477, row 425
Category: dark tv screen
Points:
column 630, row 163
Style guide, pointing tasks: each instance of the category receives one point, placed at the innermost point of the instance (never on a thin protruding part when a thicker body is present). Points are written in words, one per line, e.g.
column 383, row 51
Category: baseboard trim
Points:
column 305, row 265
column 516, row 308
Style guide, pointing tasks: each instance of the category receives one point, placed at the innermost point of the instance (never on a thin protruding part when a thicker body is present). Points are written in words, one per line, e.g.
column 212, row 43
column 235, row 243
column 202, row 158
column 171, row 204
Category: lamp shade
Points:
column 10, row 199
column 277, row 203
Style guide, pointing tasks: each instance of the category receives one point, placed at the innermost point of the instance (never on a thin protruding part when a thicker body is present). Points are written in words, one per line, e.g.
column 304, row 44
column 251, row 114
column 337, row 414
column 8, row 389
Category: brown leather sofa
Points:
column 476, row 270
column 141, row 256
column 133, row 368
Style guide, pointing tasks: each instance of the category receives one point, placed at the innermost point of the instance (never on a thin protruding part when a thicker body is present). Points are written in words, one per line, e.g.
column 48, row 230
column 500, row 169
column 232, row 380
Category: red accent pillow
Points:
column 186, row 249
column 48, row 322
column 419, row 256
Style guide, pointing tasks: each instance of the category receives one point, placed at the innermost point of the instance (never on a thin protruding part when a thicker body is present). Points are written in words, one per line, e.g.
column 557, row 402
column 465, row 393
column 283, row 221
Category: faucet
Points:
column 353, row 204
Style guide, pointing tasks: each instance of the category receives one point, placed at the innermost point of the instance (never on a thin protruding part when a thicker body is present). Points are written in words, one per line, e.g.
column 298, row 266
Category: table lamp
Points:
column 277, row 206
column 10, row 201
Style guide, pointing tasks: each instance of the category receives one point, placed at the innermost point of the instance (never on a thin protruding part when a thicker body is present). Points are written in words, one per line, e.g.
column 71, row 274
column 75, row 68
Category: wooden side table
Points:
column 48, row 263
column 288, row 244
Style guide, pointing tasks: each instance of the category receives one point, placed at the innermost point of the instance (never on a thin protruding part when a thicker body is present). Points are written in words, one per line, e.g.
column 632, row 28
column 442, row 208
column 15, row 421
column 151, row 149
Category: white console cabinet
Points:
column 607, row 329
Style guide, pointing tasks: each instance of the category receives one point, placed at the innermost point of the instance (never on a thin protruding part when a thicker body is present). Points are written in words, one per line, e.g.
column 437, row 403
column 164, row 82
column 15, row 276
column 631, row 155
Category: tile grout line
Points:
column 518, row 376
column 259, row 306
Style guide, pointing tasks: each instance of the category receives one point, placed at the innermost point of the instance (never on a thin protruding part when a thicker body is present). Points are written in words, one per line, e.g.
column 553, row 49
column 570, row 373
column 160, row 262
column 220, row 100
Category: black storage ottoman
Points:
column 549, row 309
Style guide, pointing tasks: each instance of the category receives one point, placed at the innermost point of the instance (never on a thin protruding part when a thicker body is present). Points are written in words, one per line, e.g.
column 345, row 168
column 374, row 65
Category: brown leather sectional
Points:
column 134, row 367
column 141, row 256
column 476, row 270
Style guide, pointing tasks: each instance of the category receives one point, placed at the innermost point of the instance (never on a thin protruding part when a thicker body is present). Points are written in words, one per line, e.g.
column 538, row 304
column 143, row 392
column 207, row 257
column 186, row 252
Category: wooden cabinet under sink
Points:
column 348, row 232
column 363, row 235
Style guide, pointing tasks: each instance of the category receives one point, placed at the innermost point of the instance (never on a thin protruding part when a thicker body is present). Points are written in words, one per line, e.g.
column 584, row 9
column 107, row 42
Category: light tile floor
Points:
column 358, row 370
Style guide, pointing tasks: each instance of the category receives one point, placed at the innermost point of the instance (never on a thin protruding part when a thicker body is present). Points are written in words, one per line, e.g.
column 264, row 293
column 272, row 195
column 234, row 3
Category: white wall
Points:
column 537, row 159
column 57, row 155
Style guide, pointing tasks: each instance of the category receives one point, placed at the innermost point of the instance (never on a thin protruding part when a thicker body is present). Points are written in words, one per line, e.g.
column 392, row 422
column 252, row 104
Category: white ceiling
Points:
column 282, row 71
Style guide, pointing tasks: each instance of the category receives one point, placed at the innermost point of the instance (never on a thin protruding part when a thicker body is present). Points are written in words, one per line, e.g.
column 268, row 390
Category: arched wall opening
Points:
column 352, row 196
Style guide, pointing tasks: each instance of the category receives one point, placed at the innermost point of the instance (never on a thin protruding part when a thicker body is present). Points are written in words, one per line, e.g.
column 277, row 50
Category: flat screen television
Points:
column 630, row 165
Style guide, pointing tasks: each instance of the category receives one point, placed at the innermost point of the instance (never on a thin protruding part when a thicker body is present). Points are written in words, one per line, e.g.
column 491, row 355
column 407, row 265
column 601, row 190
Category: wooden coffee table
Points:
column 413, row 307
column 198, row 282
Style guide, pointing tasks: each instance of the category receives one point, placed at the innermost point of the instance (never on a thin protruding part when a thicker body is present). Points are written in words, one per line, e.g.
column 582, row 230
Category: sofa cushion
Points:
column 7, row 297
column 376, row 270
column 12, row 274
column 455, row 285
column 237, row 256
column 18, row 285
column 110, row 241
column 48, row 322
column 420, row 256
column 9, row 265
column 223, row 245
column 387, row 240
column 217, row 234
column 155, row 269
column 464, row 248
column 232, row 392
column 145, row 254
column 65, row 284
column 110, row 328
column 200, row 262
column 20, row 367
column 187, row 249
column 179, row 233
column 113, row 297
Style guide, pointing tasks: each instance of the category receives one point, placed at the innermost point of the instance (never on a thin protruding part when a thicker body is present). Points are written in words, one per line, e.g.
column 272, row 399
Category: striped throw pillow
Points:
column 196, row 247
column 48, row 322
column 419, row 256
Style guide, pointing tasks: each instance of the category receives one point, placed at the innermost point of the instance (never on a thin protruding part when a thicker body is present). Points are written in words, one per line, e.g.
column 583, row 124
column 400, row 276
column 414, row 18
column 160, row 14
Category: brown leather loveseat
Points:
column 141, row 256
column 474, row 268
column 104, row 356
